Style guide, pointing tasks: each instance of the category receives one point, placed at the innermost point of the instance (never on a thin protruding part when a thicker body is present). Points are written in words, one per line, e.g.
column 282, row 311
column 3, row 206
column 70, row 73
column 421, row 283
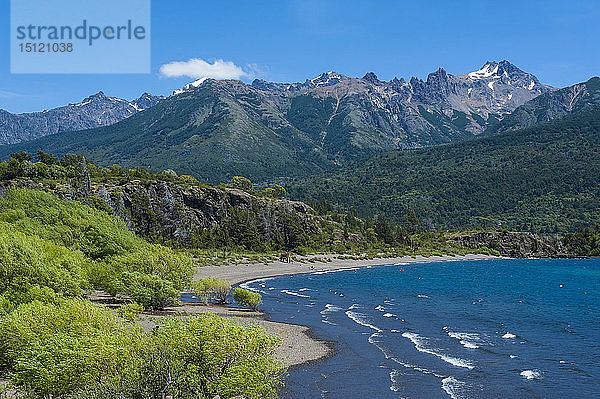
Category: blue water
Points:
column 463, row 329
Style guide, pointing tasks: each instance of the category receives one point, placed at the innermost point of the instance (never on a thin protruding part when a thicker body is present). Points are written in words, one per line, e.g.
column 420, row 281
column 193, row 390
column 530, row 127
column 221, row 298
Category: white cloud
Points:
column 196, row 68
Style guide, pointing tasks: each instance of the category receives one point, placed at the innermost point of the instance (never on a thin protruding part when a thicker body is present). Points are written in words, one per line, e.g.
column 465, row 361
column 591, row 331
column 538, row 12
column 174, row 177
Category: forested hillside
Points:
column 542, row 179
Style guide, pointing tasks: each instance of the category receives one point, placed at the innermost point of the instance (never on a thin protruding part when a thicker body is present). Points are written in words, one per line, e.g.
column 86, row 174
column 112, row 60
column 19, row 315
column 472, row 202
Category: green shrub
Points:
column 52, row 350
column 157, row 260
column 247, row 298
column 100, row 204
column 242, row 183
column 130, row 311
column 68, row 223
column 211, row 289
column 75, row 349
column 34, row 269
column 63, row 239
column 186, row 179
column 150, row 291
column 222, row 357
column 488, row 251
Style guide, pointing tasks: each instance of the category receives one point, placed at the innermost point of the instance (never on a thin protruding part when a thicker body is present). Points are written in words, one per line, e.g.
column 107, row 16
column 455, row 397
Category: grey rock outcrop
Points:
column 508, row 243
column 174, row 212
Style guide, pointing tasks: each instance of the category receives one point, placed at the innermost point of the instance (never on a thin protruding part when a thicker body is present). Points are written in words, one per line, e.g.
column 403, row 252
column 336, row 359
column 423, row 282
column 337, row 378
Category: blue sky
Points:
column 558, row 41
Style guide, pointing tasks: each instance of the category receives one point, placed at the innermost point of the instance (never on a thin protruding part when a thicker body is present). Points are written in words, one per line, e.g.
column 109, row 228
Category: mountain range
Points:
column 552, row 106
column 94, row 111
column 214, row 129
column 492, row 148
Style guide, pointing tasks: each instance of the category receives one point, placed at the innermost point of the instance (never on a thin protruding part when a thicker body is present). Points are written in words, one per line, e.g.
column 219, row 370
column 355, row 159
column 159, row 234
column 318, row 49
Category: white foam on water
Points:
column 354, row 306
column 361, row 319
column 373, row 341
column 453, row 387
column 419, row 343
column 294, row 293
column 305, row 289
column 531, row 374
column 335, row 271
column 469, row 345
column 417, row 368
column 328, row 322
column 389, row 315
column 395, row 387
column 509, row 336
column 468, row 340
column 380, row 308
column 396, row 331
column 329, row 308
column 260, row 280
column 423, row 296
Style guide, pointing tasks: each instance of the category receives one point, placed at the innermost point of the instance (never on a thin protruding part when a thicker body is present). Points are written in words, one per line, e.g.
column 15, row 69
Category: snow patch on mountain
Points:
column 489, row 69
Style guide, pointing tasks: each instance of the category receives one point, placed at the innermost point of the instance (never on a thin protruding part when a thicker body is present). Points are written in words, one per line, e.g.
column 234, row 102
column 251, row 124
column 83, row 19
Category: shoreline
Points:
column 241, row 273
column 300, row 347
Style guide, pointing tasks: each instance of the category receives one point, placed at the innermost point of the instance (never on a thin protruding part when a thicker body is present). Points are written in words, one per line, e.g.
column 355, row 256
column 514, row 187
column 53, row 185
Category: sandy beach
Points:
column 242, row 272
column 299, row 347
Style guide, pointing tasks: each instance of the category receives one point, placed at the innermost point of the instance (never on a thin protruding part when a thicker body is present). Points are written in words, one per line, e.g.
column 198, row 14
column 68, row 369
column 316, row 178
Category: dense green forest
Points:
column 585, row 242
column 541, row 179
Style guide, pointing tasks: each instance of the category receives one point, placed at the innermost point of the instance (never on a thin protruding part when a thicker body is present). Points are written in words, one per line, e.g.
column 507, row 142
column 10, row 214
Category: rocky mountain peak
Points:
column 489, row 69
column 146, row 100
column 190, row 86
column 437, row 77
column 94, row 111
column 500, row 70
column 371, row 78
column 328, row 79
column 95, row 97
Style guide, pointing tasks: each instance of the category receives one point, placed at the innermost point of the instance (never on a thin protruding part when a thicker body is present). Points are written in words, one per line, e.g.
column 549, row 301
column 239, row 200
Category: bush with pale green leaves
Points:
column 130, row 311
column 75, row 349
column 211, row 289
column 53, row 350
column 56, row 247
column 32, row 268
column 247, row 298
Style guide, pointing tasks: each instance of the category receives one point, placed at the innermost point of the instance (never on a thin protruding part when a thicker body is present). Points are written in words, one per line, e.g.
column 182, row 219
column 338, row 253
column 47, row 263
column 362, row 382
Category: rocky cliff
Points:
column 508, row 243
column 192, row 215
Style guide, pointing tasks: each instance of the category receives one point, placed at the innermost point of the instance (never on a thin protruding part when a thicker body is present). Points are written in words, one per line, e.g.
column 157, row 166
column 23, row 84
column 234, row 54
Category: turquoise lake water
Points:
column 462, row 329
